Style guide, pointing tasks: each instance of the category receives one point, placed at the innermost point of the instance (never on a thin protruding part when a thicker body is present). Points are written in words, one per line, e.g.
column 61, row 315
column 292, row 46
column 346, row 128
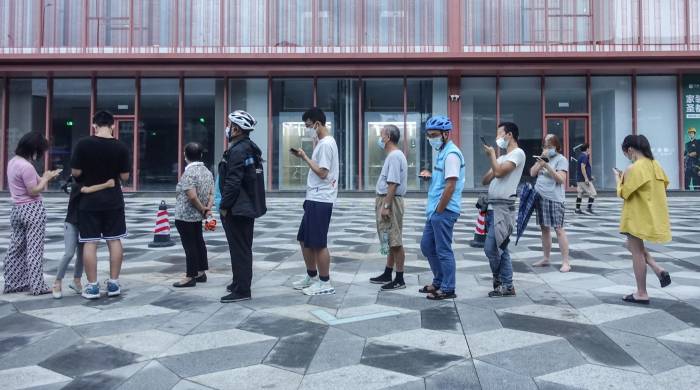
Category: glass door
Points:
column 572, row 133
column 124, row 131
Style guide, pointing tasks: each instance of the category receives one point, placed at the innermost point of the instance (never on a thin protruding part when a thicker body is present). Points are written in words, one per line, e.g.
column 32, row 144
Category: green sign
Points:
column 691, row 121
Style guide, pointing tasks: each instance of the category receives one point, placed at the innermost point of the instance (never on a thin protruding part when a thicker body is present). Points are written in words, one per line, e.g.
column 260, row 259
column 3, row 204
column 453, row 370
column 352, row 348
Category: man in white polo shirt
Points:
column 321, row 193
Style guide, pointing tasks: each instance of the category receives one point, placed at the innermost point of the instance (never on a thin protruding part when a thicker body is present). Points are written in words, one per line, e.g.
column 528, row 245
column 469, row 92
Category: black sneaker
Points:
column 201, row 278
column 229, row 288
column 235, row 297
column 381, row 279
column 393, row 285
column 578, row 211
column 502, row 292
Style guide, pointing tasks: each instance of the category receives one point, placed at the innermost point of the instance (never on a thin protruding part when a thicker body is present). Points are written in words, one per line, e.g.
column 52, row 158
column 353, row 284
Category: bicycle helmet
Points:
column 438, row 122
column 244, row 120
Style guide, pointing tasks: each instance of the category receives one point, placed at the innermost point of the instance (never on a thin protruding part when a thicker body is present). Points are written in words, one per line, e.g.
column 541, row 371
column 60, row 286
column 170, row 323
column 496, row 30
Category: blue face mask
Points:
column 436, row 142
column 380, row 143
column 551, row 152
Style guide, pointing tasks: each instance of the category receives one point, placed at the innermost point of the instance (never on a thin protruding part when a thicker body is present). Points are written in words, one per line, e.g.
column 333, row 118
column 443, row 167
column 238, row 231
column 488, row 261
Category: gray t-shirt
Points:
column 394, row 170
column 546, row 186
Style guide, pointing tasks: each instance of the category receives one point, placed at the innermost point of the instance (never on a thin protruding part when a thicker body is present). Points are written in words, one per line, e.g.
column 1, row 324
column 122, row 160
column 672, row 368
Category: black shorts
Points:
column 313, row 231
column 101, row 225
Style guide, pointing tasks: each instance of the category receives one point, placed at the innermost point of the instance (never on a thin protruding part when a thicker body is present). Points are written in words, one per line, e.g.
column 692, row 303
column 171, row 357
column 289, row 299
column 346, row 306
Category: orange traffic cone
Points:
column 161, row 233
column 479, row 231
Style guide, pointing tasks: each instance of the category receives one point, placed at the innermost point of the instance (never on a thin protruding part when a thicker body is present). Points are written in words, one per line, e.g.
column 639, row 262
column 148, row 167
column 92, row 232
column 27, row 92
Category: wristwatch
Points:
column 386, row 206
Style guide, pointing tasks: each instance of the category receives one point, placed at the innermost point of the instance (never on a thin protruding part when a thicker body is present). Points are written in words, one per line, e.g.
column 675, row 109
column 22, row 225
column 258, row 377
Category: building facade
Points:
column 590, row 71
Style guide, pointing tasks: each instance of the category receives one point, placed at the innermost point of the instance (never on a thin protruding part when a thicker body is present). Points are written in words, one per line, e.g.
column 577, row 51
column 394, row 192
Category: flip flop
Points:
column 630, row 298
column 440, row 295
column 427, row 289
column 665, row 278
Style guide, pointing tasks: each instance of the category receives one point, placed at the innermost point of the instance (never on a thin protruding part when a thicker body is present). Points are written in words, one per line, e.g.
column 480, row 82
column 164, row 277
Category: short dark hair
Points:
column 584, row 147
column 639, row 143
column 103, row 119
column 314, row 114
column 511, row 128
column 194, row 151
column 394, row 133
column 30, row 144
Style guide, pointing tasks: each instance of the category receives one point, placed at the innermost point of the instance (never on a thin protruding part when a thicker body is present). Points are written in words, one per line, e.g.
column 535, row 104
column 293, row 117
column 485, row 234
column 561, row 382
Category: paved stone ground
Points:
column 562, row 331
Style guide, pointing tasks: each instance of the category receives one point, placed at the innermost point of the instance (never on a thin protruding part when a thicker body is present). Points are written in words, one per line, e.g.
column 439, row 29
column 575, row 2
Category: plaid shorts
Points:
column 550, row 213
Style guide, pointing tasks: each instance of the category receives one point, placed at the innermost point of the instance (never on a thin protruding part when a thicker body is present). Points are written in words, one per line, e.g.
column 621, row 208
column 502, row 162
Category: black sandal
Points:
column 440, row 295
column 631, row 299
column 427, row 289
column 664, row 278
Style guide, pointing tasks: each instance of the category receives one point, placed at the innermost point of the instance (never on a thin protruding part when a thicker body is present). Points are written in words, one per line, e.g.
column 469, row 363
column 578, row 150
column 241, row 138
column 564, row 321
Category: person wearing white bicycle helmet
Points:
column 242, row 186
column 443, row 208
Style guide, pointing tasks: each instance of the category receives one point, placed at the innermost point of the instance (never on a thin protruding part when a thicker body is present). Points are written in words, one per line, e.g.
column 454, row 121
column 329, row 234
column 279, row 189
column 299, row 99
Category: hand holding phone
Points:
column 540, row 158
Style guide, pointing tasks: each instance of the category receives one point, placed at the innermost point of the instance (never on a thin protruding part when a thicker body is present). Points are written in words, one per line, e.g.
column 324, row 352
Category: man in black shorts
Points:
column 97, row 159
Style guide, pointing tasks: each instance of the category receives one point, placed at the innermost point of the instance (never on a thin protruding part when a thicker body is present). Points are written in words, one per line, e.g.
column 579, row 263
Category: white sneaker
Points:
column 320, row 288
column 304, row 283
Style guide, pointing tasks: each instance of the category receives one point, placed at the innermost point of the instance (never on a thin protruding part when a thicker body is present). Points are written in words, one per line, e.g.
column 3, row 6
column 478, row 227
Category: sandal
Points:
column 428, row 289
column 630, row 298
column 440, row 295
column 664, row 278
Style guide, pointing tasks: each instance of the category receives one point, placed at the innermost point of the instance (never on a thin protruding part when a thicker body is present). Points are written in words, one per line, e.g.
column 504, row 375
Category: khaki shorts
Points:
column 395, row 222
column 588, row 189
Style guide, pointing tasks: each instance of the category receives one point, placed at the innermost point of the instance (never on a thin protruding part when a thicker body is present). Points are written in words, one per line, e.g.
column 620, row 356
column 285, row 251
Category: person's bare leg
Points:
column 390, row 260
column 399, row 257
column 563, row 241
column 90, row 261
column 309, row 257
column 639, row 266
column 546, row 247
column 116, row 256
column 652, row 263
column 323, row 260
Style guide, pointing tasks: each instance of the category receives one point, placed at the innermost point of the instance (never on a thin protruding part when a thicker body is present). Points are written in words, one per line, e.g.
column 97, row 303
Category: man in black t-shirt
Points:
column 97, row 159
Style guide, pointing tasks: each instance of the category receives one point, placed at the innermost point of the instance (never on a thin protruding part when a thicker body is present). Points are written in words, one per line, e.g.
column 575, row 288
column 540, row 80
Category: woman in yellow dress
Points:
column 644, row 213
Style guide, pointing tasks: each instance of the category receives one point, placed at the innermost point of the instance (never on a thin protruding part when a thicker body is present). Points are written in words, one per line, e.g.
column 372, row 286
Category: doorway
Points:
column 572, row 132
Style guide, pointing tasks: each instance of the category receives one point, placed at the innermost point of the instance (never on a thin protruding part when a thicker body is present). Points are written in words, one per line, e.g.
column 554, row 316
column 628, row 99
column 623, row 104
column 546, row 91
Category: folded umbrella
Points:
column 528, row 201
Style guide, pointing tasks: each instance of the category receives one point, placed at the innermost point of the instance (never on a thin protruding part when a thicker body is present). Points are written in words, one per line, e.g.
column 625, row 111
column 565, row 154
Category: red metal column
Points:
column 634, row 104
column 131, row 25
column 543, row 103
column 454, row 26
column 681, row 146
column 360, row 130
column 498, row 100
column 270, row 131
column 687, row 28
column 47, row 121
column 3, row 129
column 137, row 129
column 405, row 115
column 180, row 120
column 226, row 110
column 93, row 100
column 42, row 18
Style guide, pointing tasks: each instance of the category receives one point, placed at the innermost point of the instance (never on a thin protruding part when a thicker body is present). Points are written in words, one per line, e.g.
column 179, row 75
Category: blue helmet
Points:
column 439, row 122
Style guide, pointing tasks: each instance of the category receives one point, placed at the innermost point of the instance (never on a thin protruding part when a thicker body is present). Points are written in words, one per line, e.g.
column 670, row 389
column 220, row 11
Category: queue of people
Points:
column 100, row 164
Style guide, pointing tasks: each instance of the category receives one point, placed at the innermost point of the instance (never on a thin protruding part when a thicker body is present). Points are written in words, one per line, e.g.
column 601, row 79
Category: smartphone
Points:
column 483, row 141
column 294, row 151
column 545, row 159
column 617, row 170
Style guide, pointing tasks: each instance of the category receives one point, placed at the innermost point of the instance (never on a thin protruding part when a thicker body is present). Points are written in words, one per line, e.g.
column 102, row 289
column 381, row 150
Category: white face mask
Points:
column 502, row 143
column 436, row 142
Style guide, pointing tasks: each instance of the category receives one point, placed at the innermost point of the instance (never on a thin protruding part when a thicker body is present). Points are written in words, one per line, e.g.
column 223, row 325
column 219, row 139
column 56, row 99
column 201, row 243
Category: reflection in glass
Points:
column 383, row 103
column 70, row 121
column 249, row 95
column 424, row 98
column 611, row 122
column 27, row 112
column 478, row 111
column 290, row 99
column 203, row 114
column 124, row 131
column 116, row 96
column 565, row 94
column 158, row 134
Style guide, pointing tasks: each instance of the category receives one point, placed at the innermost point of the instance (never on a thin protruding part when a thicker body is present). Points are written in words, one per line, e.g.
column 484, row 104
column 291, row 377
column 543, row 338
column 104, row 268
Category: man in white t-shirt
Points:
column 503, row 179
column 321, row 193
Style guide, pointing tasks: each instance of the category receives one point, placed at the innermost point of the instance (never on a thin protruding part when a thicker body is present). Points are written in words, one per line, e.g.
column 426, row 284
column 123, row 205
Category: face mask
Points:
column 381, row 143
column 551, row 152
column 502, row 143
column 436, row 142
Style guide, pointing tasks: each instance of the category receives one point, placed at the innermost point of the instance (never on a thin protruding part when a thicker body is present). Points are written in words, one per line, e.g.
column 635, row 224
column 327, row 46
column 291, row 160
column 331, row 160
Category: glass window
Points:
column 478, row 111
column 64, row 23
column 116, row 96
column 521, row 104
column 664, row 21
column 695, row 23
column 338, row 24
column 19, row 27
column 657, row 119
column 616, row 22
column 292, row 24
column 384, row 24
column 203, row 115
column 199, row 22
column 383, row 104
column 424, row 98
column 290, row 99
column 108, row 23
column 154, row 21
column 338, row 98
column 611, row 122
column 251, row 95
column 565, row 94
column 569, row 21
column 249, row 28
column 158, row 134
column 26, row 112
column 70, row 120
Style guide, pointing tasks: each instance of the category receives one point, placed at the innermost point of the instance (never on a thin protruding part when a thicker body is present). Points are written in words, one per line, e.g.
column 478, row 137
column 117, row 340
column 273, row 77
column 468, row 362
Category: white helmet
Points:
column 244, row 120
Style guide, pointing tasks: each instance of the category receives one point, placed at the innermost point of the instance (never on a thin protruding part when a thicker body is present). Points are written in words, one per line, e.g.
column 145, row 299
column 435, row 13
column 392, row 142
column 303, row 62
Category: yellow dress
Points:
column 645, row 211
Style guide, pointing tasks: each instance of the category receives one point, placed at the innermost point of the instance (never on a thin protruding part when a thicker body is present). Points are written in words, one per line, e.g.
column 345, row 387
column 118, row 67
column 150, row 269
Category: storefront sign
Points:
column 691, row 124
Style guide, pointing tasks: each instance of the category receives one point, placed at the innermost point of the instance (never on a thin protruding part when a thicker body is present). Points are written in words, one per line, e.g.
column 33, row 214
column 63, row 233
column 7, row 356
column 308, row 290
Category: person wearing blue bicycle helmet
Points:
column 443, row 208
